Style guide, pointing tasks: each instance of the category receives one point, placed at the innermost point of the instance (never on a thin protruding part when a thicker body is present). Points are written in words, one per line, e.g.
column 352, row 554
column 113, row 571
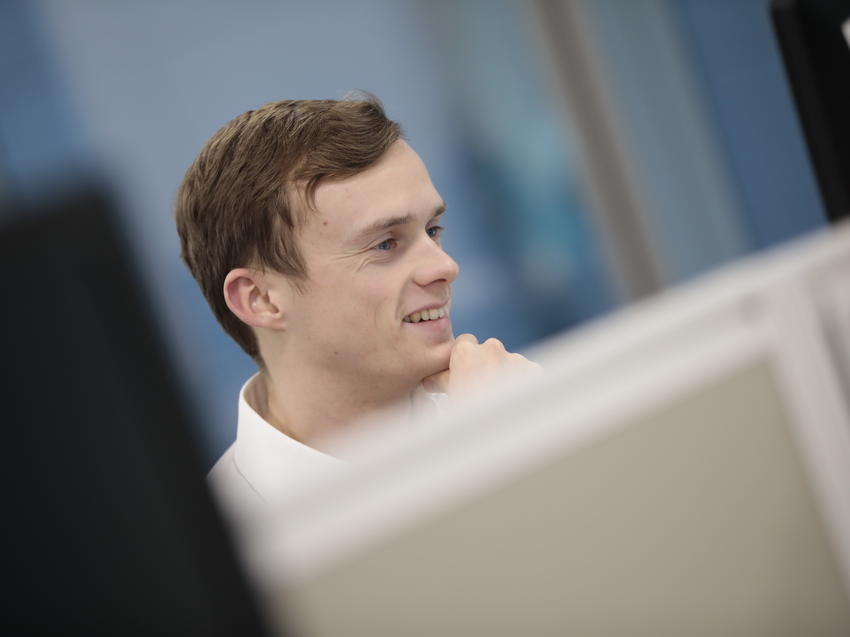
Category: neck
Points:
column 314, row 408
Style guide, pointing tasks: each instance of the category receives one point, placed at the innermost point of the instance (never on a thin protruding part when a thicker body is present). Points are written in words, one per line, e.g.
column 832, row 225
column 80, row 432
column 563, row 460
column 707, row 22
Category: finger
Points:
column 494, row 343
column 437, row 383
column 464, row 347
column 521, row 364
column 466, row 338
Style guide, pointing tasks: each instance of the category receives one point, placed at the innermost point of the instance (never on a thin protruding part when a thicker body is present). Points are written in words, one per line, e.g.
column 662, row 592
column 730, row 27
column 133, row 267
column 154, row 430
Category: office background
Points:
column 591, row 152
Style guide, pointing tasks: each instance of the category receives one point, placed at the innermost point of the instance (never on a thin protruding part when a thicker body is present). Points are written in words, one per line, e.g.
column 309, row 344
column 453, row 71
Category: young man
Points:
column 314, row 231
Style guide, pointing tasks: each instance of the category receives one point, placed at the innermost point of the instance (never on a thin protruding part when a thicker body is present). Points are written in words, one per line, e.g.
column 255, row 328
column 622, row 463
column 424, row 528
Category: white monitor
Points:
column 683, row 468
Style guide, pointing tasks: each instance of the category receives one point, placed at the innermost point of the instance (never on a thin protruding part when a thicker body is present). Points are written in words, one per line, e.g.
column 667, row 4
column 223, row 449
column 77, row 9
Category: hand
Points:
column 474, row 366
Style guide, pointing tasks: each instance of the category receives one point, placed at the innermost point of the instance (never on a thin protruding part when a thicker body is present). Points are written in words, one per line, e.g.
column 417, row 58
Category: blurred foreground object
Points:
column 813, row 37
column 109, row 529
column 683, row 468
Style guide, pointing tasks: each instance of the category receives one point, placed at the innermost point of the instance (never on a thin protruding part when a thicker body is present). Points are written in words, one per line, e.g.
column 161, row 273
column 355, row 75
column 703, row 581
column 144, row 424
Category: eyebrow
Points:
column 390, row 222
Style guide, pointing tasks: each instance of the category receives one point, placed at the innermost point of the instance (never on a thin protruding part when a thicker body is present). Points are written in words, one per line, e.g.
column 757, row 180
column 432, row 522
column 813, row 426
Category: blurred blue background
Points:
column 590, row 152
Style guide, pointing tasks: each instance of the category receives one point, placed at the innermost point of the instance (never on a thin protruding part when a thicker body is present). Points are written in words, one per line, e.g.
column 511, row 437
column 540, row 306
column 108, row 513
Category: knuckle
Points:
column 462, row 349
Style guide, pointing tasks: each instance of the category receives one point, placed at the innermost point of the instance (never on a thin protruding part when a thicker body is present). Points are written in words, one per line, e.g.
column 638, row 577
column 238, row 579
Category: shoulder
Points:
column 224, row 469
column 231, row 490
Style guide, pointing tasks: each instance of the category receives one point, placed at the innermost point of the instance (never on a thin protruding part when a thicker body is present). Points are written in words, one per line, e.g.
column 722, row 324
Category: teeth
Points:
column 426, row 315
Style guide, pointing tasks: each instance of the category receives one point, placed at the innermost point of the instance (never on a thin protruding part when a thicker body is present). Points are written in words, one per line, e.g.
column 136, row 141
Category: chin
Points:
column 437, row 359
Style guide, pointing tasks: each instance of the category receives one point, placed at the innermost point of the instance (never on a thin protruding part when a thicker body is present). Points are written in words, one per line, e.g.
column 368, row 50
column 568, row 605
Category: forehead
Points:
column 398, row 184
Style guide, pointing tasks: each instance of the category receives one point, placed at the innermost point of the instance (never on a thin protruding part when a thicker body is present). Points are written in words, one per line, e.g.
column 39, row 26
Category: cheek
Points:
column 359, row 312
column 381, row 297
column 364, row 305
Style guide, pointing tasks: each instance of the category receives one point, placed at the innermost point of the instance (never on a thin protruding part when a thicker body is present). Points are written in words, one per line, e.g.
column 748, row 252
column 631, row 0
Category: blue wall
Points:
column 745, row 89
column 129, row 92
column 150, row 82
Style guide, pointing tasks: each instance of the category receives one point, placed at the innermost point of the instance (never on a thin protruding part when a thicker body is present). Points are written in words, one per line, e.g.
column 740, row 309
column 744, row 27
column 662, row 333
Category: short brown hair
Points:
column 235, row 207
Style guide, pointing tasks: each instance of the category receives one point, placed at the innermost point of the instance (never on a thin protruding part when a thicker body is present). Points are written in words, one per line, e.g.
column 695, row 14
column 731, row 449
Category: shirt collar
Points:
column 275, row 464
column 272, row 462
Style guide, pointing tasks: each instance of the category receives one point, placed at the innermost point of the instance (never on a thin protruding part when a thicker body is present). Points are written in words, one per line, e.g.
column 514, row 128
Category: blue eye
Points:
column 386, row 245
column 435, row 231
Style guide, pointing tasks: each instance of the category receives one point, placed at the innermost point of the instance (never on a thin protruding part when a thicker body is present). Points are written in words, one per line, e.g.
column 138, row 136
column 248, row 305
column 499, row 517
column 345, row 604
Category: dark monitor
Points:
column 109, row 528
column 813, row 37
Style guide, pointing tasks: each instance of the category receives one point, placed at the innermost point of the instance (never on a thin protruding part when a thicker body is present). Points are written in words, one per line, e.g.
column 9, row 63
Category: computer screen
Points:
column 108, row 526
column 814, row 37
column 682, row 468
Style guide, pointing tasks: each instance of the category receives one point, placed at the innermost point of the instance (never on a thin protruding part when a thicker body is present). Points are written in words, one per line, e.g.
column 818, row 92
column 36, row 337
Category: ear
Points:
column 251, row 296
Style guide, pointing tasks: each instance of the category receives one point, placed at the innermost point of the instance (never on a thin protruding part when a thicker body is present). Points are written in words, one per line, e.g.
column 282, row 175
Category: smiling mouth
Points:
column 426, row 315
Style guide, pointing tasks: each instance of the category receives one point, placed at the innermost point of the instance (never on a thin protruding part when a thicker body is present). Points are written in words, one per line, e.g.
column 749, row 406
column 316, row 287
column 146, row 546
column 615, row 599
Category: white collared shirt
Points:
column 264, row 464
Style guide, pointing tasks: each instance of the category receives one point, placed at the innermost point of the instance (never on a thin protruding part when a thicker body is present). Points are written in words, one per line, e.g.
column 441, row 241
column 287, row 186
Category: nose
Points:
column 435, row 265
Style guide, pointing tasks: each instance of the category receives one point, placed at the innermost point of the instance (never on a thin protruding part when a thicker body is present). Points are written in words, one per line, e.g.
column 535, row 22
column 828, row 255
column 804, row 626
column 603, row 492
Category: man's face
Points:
column 376, row 270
